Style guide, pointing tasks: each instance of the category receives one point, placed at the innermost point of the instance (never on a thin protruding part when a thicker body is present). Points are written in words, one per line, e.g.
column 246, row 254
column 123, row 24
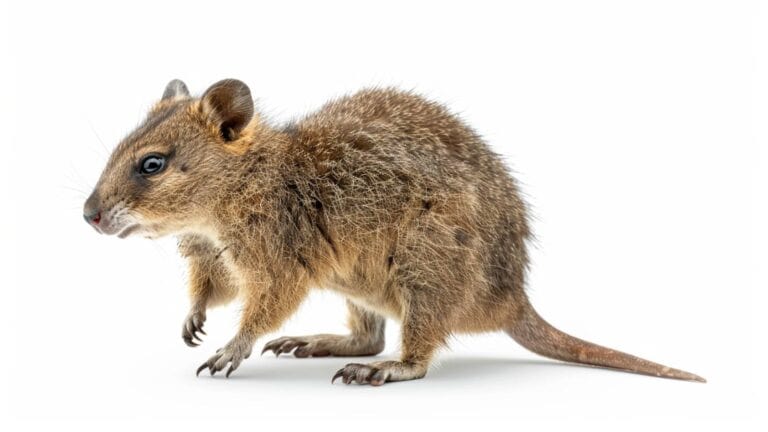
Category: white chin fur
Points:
column 121, row 221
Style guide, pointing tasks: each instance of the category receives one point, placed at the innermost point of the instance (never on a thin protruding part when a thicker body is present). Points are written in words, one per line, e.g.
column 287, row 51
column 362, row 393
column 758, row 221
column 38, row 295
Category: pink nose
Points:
column 93, row 218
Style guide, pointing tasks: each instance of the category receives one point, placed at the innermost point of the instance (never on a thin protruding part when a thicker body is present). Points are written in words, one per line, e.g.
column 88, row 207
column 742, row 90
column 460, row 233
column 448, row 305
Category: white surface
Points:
column 634, row 129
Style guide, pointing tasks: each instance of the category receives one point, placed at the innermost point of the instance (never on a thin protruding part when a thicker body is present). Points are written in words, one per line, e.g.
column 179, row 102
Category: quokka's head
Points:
column 155, row 178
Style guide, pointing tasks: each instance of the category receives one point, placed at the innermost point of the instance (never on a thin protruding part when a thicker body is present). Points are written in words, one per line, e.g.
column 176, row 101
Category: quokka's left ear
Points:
column 228, row 104
column 175, row 89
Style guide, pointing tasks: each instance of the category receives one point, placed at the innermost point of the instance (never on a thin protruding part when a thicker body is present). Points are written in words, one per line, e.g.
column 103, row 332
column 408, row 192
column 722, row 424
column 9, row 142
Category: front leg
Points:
column 366, row 338
column 209, row 284
column 265, row 310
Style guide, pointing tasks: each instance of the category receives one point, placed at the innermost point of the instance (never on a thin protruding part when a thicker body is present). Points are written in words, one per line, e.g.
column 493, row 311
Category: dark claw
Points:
column 337, row 375
column 202, row 331
column 201, row 368
column 229, row 371
column 197, row 338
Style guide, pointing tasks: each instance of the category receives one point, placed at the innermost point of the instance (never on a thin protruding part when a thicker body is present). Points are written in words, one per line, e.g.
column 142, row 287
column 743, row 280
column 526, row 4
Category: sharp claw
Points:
column 337, row 375
column 266, row 348
column 197, row 338
column 202, row 331
column 235, row 364
column 201, row 368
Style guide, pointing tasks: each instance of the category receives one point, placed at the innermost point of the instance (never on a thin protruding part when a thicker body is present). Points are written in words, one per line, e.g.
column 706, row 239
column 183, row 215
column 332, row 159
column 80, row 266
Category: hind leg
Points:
column 366, row 338
column 413, row 364
column 431, row 283
column 422, row 334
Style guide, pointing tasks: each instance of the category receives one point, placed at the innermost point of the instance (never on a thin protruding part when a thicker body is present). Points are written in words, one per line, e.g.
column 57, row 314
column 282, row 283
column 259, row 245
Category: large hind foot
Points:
column 325, row 345
column 377, row 373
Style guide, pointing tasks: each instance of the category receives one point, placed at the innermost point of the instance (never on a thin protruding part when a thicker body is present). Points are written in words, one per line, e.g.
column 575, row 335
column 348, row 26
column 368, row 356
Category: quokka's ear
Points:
column 175, row 89
column 228, row 105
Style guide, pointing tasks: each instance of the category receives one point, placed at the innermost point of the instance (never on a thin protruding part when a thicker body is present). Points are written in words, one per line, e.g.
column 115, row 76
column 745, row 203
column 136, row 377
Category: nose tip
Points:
column 93, row 217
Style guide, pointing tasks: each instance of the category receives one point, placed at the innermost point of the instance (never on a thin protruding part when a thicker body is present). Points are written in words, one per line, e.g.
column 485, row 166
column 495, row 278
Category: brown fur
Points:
column 382, row 196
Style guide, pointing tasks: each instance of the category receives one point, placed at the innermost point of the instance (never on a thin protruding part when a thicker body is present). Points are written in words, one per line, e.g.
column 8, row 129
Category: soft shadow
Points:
column 289, row 368
column 480, row 368
column 446, row 369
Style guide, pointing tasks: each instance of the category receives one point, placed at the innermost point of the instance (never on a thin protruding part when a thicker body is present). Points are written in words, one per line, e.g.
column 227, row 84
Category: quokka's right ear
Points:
column 228, row 105
column 175, row 89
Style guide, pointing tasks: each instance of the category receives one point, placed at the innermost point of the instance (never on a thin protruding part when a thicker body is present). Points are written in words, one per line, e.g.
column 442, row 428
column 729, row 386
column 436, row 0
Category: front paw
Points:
column 233, row 354
column 193, row 324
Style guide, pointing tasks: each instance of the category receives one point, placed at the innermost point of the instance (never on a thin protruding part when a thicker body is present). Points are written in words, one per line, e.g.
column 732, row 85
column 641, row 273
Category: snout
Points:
column 93, row 217
column 112, row 219
column 92, row 212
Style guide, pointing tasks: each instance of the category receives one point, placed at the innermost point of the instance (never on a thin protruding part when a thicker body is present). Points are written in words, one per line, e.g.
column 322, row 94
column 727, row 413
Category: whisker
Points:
column 98, row 138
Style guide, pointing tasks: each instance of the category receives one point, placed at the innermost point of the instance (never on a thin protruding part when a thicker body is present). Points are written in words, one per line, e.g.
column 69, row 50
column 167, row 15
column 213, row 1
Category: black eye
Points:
column 152, row 164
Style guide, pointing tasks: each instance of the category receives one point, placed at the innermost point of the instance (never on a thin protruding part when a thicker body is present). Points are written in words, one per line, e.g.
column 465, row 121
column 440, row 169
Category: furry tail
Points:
column 537, row 335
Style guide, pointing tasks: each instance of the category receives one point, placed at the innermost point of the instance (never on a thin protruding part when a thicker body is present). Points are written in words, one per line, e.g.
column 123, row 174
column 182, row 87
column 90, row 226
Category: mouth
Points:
column 118, row 221
column 125, row 232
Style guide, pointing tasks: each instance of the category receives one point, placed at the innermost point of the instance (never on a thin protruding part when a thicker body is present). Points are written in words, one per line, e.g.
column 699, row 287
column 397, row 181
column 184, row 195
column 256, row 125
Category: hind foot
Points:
column 325, row 345
column 377, row 373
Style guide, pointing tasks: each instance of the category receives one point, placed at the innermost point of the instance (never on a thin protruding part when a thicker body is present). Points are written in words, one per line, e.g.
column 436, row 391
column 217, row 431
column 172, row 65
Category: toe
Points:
column 235, row 364
column 273, row 344
column 363, row 374
column 378, row 378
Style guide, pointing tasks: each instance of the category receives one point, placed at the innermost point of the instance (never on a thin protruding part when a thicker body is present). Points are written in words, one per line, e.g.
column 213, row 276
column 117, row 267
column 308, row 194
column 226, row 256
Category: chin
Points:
column 154, row 232
column 129, row 231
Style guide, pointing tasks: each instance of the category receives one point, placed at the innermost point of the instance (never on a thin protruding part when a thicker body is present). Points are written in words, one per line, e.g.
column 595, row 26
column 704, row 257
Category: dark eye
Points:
column 152, row 164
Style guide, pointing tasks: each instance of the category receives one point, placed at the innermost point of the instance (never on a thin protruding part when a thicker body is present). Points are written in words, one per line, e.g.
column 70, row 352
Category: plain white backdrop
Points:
column 637, row 130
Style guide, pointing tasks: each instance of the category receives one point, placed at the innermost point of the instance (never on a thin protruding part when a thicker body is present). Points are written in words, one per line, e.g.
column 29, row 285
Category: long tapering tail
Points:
column 537, row 335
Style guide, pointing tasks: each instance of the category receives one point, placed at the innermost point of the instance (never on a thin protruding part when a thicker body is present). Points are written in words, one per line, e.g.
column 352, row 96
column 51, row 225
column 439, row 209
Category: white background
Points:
column 637, row 130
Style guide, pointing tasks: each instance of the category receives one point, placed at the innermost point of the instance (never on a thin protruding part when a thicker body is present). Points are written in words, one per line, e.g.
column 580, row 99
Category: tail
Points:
column 537, row 335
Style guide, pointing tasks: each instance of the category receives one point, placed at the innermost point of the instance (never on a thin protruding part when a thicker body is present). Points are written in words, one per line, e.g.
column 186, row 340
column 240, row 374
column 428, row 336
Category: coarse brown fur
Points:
column 382, row 196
